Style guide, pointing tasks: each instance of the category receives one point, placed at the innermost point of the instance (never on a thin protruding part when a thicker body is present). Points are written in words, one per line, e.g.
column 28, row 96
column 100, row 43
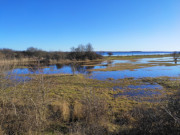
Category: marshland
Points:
column 89, row 67
column 82, row 92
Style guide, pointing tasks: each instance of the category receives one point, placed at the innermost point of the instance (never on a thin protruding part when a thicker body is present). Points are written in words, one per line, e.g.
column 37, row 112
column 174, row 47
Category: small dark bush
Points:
column 83, row 52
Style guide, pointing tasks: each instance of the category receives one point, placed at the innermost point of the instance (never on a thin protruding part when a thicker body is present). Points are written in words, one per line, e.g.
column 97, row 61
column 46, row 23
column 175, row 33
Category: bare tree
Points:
column 110, row 53
column 175, row 56
column 89, row 48
column 83, row 52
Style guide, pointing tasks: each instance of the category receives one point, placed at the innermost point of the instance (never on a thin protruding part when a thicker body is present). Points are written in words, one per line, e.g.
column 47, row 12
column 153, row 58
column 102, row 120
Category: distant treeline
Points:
column 82, row 52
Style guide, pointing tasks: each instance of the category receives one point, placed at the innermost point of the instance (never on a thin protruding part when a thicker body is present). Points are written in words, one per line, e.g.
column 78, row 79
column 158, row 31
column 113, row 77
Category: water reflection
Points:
column 133, row 53
column 33, row 68
column 70, row 68
column 144, row 90
column 141, row 93
column 85, row 68
column 144, row 86
column 59, row 66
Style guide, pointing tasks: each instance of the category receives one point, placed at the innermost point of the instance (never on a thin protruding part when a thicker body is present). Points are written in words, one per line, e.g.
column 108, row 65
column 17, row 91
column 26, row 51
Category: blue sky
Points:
column 109, row 25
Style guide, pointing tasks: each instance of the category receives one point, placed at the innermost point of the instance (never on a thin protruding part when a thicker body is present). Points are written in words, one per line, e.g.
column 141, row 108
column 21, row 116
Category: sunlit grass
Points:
column 73, row 104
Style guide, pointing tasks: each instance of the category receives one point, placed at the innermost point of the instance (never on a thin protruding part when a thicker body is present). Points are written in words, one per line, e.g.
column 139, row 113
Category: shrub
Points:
column 83, row 52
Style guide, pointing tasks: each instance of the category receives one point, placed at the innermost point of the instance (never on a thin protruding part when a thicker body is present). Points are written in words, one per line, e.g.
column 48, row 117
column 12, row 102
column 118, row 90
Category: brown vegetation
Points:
column 40, row 56
column 75, row 105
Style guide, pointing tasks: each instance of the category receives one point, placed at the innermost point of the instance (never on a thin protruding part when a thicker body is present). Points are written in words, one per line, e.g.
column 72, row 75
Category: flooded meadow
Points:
column 115, row 89
column 110, row 70
column 148, row 67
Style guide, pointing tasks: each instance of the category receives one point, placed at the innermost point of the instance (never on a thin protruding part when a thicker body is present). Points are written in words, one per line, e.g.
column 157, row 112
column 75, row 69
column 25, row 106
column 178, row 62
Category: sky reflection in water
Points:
column 131, row 90
column 155, row 71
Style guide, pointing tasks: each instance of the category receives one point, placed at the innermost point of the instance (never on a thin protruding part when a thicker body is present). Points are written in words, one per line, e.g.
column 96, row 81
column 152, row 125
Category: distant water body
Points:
column 134, row 53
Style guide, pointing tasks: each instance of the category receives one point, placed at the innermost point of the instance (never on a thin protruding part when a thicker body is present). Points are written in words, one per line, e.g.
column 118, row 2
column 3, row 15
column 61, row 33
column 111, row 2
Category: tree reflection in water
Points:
column 75, row 68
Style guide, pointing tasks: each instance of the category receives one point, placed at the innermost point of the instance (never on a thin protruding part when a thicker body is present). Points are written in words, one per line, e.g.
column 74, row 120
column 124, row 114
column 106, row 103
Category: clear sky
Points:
column 109, row 25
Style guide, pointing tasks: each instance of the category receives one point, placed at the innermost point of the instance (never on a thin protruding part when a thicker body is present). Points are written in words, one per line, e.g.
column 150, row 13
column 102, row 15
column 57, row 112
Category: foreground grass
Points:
column 67, row 104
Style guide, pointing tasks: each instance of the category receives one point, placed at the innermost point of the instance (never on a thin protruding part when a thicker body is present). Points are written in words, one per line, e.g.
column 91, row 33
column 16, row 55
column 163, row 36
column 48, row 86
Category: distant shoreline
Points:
column 139, row 51
column 130, row 53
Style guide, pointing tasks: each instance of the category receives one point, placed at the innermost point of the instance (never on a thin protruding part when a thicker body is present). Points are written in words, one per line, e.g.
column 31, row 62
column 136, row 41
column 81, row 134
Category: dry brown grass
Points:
column 15, row 61
column 78, row 110
column 60, row 110
column 73, row 105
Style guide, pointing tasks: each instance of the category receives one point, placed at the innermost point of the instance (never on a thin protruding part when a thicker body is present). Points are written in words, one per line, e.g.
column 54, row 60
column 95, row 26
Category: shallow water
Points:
column 133, row 53
column 156, row 60
column 143, row 86
column 21, row 74
column 140, row 93
column 139, row 90
column 155, row 71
